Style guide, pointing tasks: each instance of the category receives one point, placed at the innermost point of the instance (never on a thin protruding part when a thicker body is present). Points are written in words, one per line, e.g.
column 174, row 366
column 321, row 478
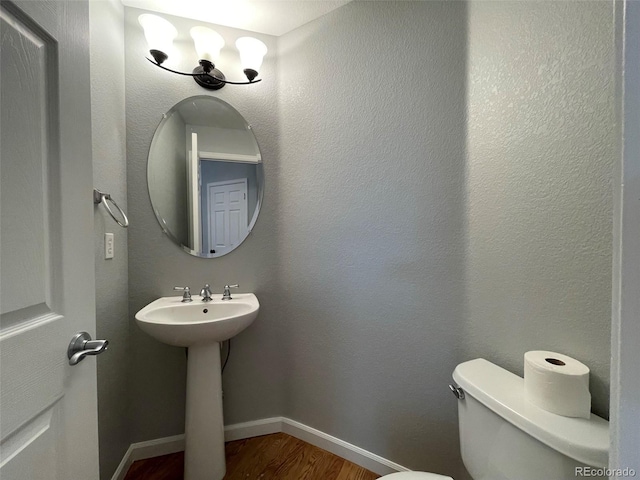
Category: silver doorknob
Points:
column 81, row 345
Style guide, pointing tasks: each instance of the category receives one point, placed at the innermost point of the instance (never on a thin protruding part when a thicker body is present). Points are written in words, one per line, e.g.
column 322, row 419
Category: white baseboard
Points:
column 239, row 431
column 256, row 428
column 348, row 451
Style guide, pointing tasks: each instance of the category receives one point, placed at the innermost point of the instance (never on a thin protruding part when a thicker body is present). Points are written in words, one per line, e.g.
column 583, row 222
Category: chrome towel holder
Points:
column 105, row 198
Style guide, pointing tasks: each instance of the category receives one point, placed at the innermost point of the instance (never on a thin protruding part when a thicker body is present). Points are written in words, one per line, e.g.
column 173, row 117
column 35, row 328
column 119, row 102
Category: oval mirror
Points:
column 205, row 176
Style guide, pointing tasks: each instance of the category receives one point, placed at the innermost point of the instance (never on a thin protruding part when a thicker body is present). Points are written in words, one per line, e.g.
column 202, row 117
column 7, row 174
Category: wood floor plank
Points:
column 321, row 464
column 252, row 454
column 165, row 467
column 257, row 454
column 293, row 460
column 351, row 471
column 285, row 463
column 270, row 457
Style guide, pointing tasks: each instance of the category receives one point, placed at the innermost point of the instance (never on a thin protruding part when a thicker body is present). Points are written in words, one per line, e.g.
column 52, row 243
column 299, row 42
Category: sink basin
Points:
column 201, row 326
column 186, row 324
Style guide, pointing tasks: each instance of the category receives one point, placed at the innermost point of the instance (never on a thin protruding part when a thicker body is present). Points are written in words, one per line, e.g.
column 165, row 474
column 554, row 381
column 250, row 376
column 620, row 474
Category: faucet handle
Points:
column 227, row 293
column 187, row 293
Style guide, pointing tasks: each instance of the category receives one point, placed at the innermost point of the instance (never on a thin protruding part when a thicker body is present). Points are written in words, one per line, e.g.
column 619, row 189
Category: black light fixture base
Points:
column 206, row 75
column 207, row 80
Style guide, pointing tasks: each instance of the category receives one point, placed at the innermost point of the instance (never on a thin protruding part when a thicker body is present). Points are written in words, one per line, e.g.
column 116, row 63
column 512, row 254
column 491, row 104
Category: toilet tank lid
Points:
column 584, row 440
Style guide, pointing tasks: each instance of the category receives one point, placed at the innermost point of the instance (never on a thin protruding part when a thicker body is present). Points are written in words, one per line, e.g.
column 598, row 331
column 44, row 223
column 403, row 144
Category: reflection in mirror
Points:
column 205, row 176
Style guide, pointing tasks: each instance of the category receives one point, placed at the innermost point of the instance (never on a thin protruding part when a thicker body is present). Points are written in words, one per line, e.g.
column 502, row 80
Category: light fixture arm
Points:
column 201, row 71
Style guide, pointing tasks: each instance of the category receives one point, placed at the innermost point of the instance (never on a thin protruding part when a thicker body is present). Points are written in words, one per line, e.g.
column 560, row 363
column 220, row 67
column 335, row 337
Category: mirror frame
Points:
column 259, row 175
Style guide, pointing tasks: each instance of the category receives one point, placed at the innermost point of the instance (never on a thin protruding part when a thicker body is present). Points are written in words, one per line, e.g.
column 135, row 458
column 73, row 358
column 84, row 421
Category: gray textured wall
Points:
column 253, row 380
column 541, row 150
column 372, row 169
column 109, row 174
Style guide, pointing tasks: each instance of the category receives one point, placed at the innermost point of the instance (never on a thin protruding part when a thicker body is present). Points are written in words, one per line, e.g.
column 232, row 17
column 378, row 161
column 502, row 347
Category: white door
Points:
column 227, row 203
column 48, row 415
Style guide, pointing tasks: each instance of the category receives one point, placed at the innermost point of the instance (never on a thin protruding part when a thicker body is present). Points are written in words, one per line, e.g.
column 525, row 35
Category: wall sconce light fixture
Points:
column 160, row 34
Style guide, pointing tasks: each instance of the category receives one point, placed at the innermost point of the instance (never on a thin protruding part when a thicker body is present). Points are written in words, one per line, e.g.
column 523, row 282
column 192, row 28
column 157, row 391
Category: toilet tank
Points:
column 504, row 437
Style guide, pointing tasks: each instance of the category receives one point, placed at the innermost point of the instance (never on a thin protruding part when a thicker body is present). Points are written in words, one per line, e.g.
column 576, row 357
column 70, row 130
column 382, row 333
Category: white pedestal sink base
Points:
column 204, row 457
column 200, row 326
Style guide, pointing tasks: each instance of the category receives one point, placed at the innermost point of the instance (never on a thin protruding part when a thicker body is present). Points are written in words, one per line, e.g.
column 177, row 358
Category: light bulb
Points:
column 208, row 43
column 159, row 33
column 252, row 52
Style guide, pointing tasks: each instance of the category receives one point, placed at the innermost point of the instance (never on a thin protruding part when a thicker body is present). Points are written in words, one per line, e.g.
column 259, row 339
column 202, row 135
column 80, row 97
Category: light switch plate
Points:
column 109, row 245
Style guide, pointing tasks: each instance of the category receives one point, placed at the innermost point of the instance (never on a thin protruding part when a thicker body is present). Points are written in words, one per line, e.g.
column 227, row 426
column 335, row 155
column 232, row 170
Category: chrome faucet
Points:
column 227, row 293
column 186, row 297
column 205, row 293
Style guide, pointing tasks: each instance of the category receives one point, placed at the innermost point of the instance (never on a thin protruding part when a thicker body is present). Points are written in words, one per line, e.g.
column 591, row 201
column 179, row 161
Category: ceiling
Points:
column 273, row 17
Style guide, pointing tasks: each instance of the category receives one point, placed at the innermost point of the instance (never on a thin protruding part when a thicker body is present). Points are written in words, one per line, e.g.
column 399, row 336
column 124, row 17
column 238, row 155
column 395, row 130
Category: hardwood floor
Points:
column 270, row 457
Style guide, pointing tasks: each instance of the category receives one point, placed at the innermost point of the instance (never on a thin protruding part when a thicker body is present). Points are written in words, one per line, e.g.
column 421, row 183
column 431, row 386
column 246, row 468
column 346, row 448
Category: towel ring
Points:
column 101, row 197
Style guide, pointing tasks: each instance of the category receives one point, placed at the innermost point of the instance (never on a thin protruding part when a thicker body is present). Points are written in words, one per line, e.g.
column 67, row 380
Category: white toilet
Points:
column 504, row 437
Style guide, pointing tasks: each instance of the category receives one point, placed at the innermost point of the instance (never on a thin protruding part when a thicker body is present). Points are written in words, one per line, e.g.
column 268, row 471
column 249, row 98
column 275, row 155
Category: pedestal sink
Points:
column 201, row 326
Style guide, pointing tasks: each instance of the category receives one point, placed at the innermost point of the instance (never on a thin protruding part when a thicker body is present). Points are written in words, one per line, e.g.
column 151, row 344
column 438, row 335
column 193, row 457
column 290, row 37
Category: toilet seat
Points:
column 414, row 476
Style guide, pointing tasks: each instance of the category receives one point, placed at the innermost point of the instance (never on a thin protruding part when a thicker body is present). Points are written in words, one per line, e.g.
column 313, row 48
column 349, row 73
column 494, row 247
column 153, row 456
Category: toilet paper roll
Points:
column 557, row 383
